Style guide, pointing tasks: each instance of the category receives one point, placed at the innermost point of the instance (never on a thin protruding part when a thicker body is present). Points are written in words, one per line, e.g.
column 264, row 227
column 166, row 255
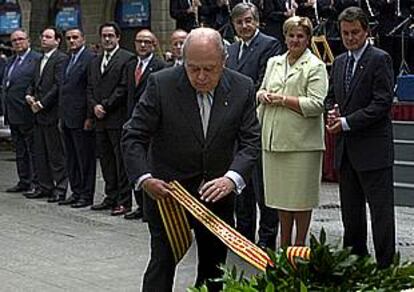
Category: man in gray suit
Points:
column 249, row 56
column 19, row 72
column 42, row 96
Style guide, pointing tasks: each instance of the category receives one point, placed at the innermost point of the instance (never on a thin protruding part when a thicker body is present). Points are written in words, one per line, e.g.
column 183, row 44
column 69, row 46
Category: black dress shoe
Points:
column 36, row 195
column 102, row 206
column 81, row 204
column 137, row 214
column 69, row 201
column 55, row 199
column 18, row 189
column 120, row 210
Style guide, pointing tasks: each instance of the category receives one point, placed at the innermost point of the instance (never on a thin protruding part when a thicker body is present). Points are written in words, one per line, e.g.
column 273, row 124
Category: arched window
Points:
column 68, row 14
column 10, row 16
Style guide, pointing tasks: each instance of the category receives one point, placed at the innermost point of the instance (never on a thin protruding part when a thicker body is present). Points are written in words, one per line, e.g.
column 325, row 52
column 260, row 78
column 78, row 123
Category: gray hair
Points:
column 241, row 9
column 205, row 33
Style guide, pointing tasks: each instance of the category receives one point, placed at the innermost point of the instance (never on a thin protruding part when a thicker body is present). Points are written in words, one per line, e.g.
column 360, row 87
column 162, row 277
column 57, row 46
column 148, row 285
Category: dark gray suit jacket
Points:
column 135, row 92
column 109, row 89
column 366, row 107
column 45, row 88
column 17, row 111
column 253, row 63
column 167, row 120
column 72, row 94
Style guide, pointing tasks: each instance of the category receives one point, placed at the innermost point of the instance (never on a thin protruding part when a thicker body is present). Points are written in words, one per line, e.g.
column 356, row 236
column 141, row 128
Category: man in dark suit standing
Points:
column 78, row 131
column 42, row 96
column 184, row 14
column 19, row 73
column 177, row 39
column 196, row 124
column 360, row 99
column 138, row 72
column 107, row 98
column 249, row 56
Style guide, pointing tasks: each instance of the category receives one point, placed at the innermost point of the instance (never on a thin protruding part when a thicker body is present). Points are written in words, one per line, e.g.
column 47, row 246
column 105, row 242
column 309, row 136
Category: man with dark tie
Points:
column 107, row 99
column 196, row 124
column 42, row 96
column 249, row 56
column 359, row 103
column 19, row 73
column 78, row 130
column 138, row 72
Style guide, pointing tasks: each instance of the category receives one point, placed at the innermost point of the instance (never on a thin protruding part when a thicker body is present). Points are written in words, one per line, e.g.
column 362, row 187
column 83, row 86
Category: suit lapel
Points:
column 187, row 102
column 219, row 108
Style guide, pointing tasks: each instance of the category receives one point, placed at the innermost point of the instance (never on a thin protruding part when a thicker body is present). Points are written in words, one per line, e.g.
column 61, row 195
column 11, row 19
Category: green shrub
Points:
column 329, row 269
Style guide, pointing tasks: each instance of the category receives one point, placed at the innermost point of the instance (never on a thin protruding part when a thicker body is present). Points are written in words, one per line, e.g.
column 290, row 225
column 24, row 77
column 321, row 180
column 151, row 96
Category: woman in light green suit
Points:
column 291, row 113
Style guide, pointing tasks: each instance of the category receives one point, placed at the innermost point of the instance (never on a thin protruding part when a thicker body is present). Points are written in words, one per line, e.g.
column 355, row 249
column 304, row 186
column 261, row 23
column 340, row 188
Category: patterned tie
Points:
column 349, row 70
column 204, row 102
column 43, row 63
column 14, row 65
column 105, row 61
column 138, row 73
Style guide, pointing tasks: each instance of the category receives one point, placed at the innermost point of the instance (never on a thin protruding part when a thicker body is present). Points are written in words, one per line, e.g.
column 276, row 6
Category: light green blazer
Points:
column 282, row 128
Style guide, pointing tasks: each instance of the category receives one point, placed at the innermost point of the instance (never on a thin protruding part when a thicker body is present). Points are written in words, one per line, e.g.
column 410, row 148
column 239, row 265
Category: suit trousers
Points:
column 117, row 188
column 49, row 160
column 376, row 188
column 22, row 136
column 81, row 162
column 159, row 275
column 246, row 211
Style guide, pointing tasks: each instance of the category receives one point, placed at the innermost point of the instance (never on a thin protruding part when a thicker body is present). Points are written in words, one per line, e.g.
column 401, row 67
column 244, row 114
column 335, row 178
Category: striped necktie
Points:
column 349, row 71
column 204, row 102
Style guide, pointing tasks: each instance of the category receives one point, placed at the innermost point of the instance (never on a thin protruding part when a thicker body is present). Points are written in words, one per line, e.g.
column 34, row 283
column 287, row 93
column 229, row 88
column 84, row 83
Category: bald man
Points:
column 138, row 71
column 190, row 118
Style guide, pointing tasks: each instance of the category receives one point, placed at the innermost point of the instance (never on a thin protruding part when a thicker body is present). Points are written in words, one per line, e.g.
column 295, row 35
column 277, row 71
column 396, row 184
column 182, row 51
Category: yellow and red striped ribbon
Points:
column 176, row 226
column 230, row 237
column 297, row 251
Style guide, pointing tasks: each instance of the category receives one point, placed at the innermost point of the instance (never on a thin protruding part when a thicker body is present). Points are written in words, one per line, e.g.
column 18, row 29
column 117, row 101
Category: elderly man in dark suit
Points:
column 138, row 72
column 196, row 124
column 78, row 131
column 42, row 96
column 360, row 99
column 107, row 98
column 249, row 56
column 19, row 73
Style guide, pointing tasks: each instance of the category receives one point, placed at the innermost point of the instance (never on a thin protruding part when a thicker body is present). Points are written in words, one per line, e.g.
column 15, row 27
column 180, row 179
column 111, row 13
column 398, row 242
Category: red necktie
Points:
column 138, row 73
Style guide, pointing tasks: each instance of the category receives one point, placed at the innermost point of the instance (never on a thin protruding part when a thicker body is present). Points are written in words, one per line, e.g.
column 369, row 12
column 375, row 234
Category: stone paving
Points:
column 45, row 247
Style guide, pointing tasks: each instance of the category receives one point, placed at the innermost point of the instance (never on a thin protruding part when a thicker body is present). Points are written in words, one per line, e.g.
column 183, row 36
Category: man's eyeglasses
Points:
column 18, row 40
column 145, row 42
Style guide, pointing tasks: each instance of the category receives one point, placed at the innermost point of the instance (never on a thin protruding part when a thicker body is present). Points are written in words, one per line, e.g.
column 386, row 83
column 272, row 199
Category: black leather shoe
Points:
column 18, row 189
column 102, row 206
column 69, row 201
column 120, row 210
column 137, row 214
column 81, row 204
column 55, row 199
column 36, row 195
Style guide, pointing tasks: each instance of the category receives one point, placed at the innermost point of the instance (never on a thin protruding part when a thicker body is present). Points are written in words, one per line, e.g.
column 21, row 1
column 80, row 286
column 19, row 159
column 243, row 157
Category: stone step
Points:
column 404, row 150
column 404, row 171
column 403, row 130
column 404, row 194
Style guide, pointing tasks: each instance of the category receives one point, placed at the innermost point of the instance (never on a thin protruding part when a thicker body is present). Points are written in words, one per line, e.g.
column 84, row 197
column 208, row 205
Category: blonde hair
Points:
column 296, row 21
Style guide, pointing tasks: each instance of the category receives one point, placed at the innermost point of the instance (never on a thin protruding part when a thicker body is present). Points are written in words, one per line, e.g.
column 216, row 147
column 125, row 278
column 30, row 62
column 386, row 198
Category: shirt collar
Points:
column 357, row 54
column 112, row 53
column 247, row 43
column 145, row 60
column 22, row 57
column 50, row 53
column 78, row 53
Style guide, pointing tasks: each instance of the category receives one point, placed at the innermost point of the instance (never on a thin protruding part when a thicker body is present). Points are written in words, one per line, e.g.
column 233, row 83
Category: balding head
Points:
column 145, row 43
column 204, row 58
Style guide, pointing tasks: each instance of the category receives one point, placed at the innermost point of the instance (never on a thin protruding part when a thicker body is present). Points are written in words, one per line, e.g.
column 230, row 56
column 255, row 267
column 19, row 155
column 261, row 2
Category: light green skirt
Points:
column 292, row 180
